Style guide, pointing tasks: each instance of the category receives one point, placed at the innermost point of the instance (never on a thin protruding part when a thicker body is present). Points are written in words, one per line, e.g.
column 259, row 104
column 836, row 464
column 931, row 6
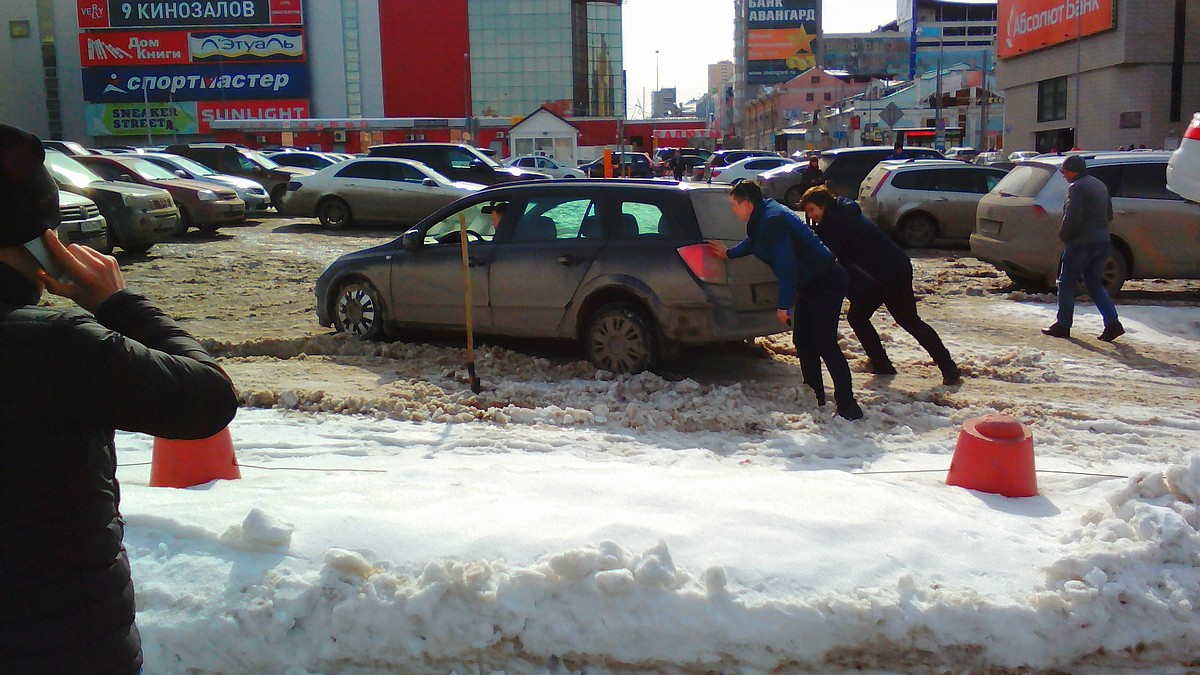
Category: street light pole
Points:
column 1078, row 69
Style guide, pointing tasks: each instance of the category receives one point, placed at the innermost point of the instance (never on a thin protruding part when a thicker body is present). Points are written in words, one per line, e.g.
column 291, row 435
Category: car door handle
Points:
column 569, row 259
column 941, row 199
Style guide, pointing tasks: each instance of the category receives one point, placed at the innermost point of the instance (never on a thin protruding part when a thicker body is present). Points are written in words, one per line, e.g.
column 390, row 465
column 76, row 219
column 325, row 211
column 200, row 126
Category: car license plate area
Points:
column 763, row 294
column 91, row 226
column 989, row 227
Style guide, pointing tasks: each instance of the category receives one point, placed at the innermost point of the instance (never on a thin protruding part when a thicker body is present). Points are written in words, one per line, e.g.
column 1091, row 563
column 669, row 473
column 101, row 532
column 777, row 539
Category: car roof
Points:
column 919, row 163
column 423, row 144
column 1104, row 158
column 600, row 185
column 869, row 149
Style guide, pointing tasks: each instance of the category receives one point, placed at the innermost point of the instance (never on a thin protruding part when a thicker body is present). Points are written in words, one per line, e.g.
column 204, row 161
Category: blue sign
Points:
column 196, row 82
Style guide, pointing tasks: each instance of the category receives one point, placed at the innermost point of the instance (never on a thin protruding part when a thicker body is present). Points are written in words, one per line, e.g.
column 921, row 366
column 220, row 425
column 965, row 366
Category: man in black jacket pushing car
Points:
column 69, row 378
column 880, row 275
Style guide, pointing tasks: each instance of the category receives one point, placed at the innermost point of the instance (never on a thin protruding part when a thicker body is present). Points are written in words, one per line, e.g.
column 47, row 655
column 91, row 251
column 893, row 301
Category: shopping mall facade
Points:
column 137, row 71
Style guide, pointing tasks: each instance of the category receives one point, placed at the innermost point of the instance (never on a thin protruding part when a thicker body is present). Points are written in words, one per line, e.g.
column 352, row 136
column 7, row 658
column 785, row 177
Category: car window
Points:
column 1111, row 177
column 446, row 232
column 951, row 180
column 639, row 219
column 460, row 159
column 759, row 164
column 107, row 171
column 524, row 162
column 1025, row 180
column 1145, row 181
column 405, row 173
column 550, row 218
column 991, row 179
column 371, row 170
column 913, row 180
column 716, row 217
column 245, row 164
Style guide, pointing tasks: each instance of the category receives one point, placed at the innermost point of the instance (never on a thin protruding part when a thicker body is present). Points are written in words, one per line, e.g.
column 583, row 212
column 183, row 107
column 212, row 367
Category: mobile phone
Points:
column 47, row 260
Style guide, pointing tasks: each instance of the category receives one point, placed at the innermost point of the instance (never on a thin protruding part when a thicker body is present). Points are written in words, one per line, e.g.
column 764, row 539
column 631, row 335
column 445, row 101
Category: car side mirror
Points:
column 181, row 173
column 429, row 182
column 412, row 240
column 478, row 165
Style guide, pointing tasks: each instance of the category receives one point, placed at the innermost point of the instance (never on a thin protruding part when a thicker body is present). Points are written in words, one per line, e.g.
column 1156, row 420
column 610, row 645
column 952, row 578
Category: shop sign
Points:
column 196, row 82
column 184, row 13
column 164, row 48
column 211, row 111
column 1029, row 25
column 140, row 119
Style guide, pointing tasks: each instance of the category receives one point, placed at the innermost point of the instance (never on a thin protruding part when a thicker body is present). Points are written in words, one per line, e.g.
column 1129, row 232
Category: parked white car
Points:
column 544, row 165
column 747, row 169
column 372, row 190
column 249, row 191
column 1183, row 170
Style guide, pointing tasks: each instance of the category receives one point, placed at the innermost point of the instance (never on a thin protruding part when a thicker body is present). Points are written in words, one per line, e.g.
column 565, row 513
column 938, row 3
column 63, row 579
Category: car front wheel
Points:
column 358, row 310
column 620, row 339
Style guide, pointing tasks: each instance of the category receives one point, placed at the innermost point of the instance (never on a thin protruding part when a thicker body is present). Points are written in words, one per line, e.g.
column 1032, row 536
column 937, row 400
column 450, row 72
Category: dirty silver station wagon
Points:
column 620, row 267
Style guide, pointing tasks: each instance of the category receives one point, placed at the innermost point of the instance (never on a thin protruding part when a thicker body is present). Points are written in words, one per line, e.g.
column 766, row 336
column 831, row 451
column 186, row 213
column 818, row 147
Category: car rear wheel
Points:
column 918, row 231
column 185, row 222
column 277, row 196
column 334, row 213
column 1116, row 270
column 358, row 310
column 793, row 196
column 620, row 339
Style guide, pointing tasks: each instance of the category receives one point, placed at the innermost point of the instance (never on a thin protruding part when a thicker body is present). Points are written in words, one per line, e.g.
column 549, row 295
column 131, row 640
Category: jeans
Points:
column 1086, row 260
column 897, row 296
column 815, row 333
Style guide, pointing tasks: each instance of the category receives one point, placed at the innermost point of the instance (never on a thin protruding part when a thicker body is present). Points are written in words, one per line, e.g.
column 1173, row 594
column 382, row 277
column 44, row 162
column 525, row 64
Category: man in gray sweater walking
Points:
column 1086, row 214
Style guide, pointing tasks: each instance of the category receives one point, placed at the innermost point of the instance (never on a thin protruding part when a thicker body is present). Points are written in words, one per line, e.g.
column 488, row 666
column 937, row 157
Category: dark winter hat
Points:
column 28, row 195
column 1075, row 164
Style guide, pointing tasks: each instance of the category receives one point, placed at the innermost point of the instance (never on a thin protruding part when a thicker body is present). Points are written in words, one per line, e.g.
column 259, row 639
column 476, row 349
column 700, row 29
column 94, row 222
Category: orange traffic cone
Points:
column 182, row 464
column 994, row 454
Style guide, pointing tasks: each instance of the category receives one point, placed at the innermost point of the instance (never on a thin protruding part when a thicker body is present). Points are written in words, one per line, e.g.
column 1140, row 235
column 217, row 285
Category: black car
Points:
column 844, row 169
column 619, row 266
column 624, row 165
column 458, row 162
column 236, row 160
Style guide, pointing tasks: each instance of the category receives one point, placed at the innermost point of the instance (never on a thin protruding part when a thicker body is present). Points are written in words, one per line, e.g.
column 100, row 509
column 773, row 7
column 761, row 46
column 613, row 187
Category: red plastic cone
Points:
column 182, row 464
column 994, row 454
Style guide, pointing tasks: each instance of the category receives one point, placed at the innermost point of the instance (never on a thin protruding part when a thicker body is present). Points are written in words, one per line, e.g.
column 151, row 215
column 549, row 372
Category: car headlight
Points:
column 207, row 195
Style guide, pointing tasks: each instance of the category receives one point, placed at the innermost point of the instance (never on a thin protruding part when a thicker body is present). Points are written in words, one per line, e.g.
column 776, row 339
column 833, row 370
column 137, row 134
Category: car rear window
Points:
column 1025, row 180
column 639, row 219
column 715, row 216
column 1145, row 181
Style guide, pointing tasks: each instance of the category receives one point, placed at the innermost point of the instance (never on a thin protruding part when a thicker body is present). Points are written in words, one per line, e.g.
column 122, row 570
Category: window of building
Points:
column 810, row 96
column 816, row 79
column 828, row 96
column 1052, row 99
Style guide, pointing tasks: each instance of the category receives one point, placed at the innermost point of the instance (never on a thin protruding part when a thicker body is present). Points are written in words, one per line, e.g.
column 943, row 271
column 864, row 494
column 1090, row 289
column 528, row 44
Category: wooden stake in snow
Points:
column 472, row 379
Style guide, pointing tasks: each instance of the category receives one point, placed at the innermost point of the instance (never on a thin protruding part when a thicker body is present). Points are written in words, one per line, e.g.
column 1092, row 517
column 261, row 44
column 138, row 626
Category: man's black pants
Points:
column 815, row 333
column 897, row 295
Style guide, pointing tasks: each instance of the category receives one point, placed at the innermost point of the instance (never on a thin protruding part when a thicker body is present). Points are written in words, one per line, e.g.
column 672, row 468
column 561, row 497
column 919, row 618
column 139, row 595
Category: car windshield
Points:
column 257, row 156
column 1025, row 180
column 193, row 167
column 147, row 169
column 66, row 170
column 715, row 216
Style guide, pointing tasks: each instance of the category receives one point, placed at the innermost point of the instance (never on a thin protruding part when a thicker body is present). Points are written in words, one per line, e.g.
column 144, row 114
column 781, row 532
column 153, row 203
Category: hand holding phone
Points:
column 47, row 260
column 91, row 276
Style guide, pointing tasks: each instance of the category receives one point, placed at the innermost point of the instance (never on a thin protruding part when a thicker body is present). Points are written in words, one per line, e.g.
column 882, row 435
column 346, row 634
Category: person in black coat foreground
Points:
column 880, row 274
column 68, row 378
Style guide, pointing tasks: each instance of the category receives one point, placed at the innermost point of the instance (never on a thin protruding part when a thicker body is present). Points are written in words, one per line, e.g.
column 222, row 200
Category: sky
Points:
column 598, row 528
column 703, row 34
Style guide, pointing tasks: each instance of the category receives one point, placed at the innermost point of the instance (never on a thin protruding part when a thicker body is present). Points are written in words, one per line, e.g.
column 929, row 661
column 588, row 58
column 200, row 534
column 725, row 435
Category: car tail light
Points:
column 882, row 180
column 293, row 185
column 1039, row 210
column 703, row 262
column 716, row 172
column 1193, row 130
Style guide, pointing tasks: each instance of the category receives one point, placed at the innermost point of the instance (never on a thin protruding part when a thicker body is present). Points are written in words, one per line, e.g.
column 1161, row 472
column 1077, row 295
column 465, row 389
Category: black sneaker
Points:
column 883, row 369
column 1057, row 331
column 1112, row 332
column 951, row 376
column 850, row 411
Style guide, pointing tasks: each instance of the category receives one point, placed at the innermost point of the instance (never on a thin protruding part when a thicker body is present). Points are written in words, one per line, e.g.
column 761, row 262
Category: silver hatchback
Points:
column 1155, row 232
column 918, row 201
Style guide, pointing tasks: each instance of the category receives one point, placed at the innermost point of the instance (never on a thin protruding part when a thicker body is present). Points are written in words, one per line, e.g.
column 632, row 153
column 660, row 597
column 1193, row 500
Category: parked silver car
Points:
column 372, row 190
column 918, row 201
column 81, row 222
column 544, row 165
column 1155, row 232
column 249, row 191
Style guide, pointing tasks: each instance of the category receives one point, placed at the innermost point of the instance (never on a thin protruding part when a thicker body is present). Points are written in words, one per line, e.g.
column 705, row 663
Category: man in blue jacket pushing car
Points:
column 809, row 279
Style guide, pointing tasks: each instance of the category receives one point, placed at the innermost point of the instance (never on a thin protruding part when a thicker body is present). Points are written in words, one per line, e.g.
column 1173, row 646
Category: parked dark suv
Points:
column 457, row 162
column 236, row 160
column 620, row 266
column 844, row 169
